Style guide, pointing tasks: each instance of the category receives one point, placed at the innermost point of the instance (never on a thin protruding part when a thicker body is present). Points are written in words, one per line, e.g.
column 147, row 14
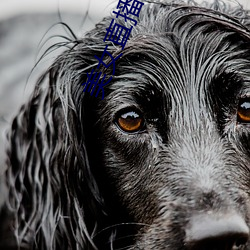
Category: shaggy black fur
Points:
column 77, row 180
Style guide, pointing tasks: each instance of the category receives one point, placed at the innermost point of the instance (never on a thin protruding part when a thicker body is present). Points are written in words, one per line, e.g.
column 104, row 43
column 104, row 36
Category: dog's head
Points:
column 162, row 162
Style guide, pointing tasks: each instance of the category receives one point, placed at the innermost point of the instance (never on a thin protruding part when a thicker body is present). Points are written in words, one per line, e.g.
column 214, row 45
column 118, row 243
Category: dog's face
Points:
column 174, row 132
column 162, row 162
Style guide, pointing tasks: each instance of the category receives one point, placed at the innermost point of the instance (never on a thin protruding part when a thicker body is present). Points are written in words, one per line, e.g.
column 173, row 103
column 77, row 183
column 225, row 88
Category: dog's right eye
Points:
column 130, row 121
column 243, row 113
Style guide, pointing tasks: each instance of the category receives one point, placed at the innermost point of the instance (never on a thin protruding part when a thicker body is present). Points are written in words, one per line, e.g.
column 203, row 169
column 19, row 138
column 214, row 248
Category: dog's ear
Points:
column 52, row 191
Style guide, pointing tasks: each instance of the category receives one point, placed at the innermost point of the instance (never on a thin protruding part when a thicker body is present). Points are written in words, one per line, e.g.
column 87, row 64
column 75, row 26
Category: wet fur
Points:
column 76, row 181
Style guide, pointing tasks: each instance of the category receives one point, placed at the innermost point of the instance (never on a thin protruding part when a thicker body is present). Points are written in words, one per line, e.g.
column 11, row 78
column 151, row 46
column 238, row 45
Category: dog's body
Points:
column 162, row 162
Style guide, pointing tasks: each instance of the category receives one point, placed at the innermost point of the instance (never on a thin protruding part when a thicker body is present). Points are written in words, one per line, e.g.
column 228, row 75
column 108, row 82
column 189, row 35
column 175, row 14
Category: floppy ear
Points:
column 52, row 191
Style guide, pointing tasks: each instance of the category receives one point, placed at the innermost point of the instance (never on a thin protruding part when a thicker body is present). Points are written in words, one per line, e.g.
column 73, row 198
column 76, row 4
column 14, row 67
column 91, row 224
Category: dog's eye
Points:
column 243, row 113
column 130, row 121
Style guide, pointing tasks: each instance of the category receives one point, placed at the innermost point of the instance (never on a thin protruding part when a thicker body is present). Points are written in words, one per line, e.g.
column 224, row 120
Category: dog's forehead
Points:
column 184, row 50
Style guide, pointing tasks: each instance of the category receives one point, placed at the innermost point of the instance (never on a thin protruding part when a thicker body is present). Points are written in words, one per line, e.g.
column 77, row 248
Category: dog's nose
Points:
column 217, row 232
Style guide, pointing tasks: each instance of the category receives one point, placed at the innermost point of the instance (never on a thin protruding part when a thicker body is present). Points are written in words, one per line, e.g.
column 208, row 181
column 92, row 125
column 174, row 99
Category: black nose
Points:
column 217, row 232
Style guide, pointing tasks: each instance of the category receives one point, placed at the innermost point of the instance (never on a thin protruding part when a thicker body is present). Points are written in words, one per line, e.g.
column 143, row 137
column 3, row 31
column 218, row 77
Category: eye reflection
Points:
column 130, row 121
column 243, row 112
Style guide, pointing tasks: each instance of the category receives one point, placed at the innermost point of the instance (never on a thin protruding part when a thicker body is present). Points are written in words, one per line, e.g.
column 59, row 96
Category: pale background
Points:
column 96, row 7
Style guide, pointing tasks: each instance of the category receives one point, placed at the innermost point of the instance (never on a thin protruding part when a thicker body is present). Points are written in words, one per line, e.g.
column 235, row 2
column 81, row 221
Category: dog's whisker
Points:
column 115, row 226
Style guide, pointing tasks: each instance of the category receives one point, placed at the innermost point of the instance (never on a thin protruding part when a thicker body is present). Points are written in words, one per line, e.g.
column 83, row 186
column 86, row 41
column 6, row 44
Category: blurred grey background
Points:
column 26, row 23
column 25, row 26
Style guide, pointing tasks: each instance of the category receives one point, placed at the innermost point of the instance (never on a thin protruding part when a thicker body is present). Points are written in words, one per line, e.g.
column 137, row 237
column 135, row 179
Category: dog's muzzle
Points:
column 217, row 232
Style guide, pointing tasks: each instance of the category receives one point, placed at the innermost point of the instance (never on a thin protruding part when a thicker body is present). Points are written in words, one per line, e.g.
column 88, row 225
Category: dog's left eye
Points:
column 243, row 113
column 130, row 121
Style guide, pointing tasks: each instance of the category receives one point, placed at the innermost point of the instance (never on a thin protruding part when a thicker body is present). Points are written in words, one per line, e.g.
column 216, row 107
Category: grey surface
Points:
column 19, row 40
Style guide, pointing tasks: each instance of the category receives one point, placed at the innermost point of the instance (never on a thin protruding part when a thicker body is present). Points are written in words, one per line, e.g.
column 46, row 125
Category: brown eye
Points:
column 130, row 121
column 243, row 113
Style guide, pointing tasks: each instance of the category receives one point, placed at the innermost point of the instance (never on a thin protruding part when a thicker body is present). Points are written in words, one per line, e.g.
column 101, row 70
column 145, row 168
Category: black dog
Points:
column 162, row 162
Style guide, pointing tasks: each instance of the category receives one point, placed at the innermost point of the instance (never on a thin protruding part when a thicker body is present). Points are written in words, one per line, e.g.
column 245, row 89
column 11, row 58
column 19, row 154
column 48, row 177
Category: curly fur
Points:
column 76, row 181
